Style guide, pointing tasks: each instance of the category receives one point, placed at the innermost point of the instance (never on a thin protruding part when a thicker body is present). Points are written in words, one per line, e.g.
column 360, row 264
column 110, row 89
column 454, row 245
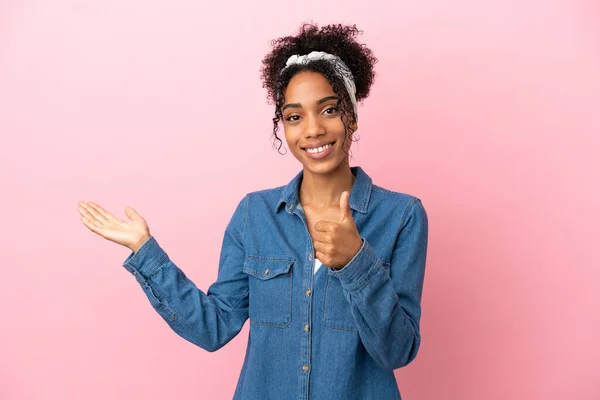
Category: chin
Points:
column 324, row 168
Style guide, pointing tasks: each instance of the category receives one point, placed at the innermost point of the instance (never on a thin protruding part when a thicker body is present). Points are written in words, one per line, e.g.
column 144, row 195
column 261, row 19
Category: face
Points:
column 311, row 118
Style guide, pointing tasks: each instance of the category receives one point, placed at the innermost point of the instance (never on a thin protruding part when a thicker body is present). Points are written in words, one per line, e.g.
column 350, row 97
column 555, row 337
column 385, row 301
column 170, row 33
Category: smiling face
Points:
column 312, row 119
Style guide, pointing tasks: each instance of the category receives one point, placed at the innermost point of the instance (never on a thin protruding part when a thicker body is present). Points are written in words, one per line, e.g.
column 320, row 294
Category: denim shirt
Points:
column 337, row 334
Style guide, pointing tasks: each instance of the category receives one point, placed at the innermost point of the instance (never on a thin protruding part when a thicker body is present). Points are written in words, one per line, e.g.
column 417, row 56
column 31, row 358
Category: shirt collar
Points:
column 359, row 194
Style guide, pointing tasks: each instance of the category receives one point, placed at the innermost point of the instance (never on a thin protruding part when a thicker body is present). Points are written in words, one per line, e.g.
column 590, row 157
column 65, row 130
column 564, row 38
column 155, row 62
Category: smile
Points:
column 320, row 152
column 319, row 149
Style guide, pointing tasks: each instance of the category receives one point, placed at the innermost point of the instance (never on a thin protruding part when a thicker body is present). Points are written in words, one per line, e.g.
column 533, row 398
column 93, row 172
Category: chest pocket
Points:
column 270, row 284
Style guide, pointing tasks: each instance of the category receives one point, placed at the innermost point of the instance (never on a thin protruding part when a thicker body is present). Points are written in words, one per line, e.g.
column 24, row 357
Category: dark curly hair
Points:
column 338, row 40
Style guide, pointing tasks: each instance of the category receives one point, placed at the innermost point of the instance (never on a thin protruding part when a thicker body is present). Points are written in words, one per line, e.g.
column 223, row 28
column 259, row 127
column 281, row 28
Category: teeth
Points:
column 320, row 149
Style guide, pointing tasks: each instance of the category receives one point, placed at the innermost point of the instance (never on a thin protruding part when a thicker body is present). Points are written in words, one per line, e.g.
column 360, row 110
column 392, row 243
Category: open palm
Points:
column 131, row 234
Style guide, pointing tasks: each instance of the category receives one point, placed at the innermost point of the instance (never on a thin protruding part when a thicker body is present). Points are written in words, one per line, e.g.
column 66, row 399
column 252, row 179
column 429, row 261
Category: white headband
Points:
column 339, row 66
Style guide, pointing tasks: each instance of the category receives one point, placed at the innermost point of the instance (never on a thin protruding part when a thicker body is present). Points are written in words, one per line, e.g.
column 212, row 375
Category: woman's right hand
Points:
column 131, row 234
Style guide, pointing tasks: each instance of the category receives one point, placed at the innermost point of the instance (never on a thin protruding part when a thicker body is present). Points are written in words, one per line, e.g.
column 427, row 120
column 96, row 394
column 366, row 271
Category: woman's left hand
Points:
column 336, row 243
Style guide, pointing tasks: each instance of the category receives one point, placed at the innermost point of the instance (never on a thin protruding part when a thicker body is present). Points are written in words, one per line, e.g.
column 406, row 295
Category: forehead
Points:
column 307, row 86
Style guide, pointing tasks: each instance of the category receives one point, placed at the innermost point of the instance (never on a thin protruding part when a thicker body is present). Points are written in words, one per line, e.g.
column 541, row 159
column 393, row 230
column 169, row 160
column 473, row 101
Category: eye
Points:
column 290, row 118
column 331, row 110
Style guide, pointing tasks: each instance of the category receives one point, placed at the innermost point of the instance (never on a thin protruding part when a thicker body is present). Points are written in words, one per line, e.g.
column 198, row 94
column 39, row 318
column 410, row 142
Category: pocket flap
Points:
column 264, row 268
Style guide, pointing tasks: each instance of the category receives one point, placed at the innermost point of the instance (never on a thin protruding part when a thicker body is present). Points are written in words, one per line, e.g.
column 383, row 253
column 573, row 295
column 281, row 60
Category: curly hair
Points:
column 338, row 40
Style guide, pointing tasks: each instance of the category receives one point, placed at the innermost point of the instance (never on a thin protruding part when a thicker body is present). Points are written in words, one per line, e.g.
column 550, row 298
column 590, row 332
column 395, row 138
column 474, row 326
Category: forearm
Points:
column 387, row 330
column 205, row 319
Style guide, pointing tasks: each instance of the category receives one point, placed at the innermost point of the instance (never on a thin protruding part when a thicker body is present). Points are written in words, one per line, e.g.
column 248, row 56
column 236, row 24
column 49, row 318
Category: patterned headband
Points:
column 340, row 68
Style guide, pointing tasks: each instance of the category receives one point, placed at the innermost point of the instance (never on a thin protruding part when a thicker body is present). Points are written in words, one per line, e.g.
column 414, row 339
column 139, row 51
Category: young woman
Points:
column 329, row 268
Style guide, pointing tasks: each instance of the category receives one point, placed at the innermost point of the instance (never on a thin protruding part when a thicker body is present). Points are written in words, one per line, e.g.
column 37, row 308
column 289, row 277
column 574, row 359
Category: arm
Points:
column 209, row 320
column 385, row 302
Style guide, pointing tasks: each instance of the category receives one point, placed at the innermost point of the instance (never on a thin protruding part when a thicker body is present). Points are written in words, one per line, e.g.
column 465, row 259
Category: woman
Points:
column 329, row 268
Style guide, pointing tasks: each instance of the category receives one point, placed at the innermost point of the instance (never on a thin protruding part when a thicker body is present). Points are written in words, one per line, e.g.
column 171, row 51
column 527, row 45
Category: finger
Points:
column 93, row 226
column 345, row 206
column 323, row 248
column 84, row 210
column 317, row 246
column 132, row 214
column 93, row 212
column 324, row 226
column 320, row 255
column 108, row 216
column 321, row 237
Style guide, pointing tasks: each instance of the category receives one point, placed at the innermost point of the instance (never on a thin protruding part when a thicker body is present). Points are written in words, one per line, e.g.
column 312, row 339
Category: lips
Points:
column 316, row 146
column 323, row 154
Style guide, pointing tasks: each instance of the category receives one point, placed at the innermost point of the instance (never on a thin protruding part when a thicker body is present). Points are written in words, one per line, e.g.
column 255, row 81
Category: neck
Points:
column 323, row 191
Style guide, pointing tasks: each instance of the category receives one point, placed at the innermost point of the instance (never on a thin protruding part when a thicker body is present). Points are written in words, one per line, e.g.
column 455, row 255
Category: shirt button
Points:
column 267, row 271
column 306, row 328
column 135, row 272
column 305, row 367
column 310, row 256
column 308, row 292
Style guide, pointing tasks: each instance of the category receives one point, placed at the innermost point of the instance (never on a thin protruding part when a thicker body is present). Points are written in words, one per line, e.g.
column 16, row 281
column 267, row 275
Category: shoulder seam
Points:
column 246, row 200
column 267, row 190
column 383, row 190
column 409, row 207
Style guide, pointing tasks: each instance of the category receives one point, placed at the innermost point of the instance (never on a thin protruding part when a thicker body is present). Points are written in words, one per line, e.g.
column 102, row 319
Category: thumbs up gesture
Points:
column 336, row 243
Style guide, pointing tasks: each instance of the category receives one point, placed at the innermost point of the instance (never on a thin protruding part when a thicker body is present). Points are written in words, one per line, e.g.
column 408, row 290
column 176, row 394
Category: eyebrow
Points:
column 298, row 105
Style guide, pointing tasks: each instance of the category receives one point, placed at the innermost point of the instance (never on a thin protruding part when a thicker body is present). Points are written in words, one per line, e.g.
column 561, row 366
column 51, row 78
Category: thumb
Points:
column 345, row 206
column 132, row 214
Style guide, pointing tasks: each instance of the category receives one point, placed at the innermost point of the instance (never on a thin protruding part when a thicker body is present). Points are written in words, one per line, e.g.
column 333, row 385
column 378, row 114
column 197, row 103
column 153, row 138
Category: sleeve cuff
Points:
column 357, row 272
column 143, row 263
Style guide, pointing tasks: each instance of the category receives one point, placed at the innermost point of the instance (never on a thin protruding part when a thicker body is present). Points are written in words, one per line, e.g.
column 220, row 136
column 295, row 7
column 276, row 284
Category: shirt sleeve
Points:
column 386, row 300
column 209, row 320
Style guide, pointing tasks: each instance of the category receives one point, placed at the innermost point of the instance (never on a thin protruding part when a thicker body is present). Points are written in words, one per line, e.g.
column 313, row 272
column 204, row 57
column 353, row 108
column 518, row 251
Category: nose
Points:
column 314, row 127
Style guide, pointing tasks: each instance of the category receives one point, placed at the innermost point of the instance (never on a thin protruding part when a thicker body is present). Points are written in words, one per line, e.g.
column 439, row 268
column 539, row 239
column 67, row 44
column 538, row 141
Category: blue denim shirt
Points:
column 337, row 334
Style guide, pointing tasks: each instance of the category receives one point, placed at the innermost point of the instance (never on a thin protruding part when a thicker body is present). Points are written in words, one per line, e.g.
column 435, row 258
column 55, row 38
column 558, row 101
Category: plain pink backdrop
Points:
column 487, row 111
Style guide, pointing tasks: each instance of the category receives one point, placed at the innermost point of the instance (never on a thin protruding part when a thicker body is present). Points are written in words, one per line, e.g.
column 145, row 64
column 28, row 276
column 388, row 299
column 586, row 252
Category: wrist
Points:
column 136, row 246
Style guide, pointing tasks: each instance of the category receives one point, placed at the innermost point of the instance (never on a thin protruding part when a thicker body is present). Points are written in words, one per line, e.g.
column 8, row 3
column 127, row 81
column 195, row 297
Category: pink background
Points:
column 487, row 111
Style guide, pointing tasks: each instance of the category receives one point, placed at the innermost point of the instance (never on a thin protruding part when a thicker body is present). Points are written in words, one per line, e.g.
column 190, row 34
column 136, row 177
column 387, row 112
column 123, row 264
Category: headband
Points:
column 339, row 67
